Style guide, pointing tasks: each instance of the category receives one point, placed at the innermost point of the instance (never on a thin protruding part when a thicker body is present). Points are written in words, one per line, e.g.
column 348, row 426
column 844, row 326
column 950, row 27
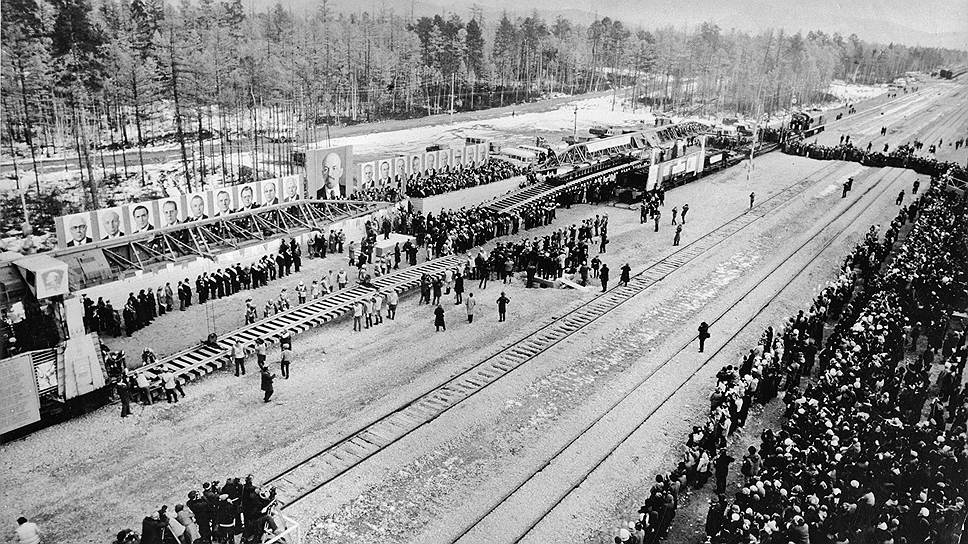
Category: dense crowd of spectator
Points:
column 858, row 459
column 441, row 180
column 903, row 156
column 216, row 512
column 455, row 178
column 457, row 231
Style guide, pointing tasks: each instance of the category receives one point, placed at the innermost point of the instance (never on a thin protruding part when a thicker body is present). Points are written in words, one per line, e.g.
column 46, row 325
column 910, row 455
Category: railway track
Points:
column 192, row 363
column 506, row 202
column 546, row 470
column 296, row 482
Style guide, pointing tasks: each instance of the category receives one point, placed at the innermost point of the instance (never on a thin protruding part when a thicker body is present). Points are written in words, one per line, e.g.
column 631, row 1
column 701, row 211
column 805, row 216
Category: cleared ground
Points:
column 84, row 480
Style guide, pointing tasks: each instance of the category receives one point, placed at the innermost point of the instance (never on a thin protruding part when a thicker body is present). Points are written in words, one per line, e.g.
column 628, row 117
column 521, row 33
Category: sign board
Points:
column 715, row 158
column 45, row 276
column 19, row 401
column 80, row 229
column 329, row 172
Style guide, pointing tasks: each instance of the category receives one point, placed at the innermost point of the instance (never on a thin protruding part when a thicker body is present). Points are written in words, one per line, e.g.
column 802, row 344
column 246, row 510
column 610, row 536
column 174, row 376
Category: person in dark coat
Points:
column 439, row 318
column 714, row 517
column 151, row 529
column 267, row 378
column 124, row 394
column 722, row 471
column 603, row 275
column 203, row 514
column 502, row 306
column 626, row 274
column 703, row 335
column 678, row 235
column 458, row 288
column 225, row 514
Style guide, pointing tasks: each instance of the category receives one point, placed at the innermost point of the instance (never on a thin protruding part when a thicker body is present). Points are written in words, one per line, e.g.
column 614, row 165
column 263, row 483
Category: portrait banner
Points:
column 291, row 188
column 172, row 212
column 76, row 229
column 142, row 217
column 328, row 170
column 367, row 178
column 483, row 150
column 196, row 206
column 470, row 155
column 248, row 196
column 430, row 161
column 416, row 163
column 223, row 201
column 269, row 189
column 384, row 172
column 445, row 157
column 111, row 223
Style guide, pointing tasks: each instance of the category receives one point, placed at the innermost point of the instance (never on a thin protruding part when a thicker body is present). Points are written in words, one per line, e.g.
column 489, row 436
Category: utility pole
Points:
column 453, row 79
column 575, row 131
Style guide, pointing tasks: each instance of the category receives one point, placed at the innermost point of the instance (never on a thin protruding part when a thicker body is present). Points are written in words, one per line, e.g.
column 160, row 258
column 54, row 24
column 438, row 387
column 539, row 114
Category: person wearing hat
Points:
column 285, row 339
column 301, row 291
column 27, row 531
column 502, row 307
column 703, row 335
column 170, row 383
column 225, row 514
column 203, row 514
column 285, row 357
column 152, row 529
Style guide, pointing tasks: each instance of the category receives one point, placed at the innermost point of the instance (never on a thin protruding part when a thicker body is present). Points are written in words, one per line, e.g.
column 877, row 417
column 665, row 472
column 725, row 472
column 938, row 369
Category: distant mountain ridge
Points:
column 920, row 22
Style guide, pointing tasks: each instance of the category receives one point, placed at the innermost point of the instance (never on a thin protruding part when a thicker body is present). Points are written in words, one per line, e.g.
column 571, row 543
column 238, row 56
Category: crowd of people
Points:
column 903, row 156
column 457, row 231
column 441, row 180
column 457, row 177
column 142, row 309
column 231, row 512
column 858, row 458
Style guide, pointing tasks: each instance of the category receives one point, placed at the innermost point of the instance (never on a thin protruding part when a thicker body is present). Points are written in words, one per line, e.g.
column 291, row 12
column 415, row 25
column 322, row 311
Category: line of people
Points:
column 902, row 156
column 142, row 309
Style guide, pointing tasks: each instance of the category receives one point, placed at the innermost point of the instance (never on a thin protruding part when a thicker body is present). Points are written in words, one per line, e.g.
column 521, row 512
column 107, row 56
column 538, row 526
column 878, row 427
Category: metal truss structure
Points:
column 631, row 143
column 209, row 237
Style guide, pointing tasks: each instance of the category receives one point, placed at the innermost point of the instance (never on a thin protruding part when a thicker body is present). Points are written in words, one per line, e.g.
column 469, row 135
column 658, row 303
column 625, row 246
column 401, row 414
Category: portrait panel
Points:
column 111, row 223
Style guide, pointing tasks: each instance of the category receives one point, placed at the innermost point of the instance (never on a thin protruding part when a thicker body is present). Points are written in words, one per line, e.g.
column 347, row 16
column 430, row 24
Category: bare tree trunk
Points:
column 201, row 148
column 178, row 119
column 28, row 124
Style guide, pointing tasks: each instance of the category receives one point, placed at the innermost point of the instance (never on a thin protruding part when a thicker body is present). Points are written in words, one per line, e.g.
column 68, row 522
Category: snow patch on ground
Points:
column 854, row 91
